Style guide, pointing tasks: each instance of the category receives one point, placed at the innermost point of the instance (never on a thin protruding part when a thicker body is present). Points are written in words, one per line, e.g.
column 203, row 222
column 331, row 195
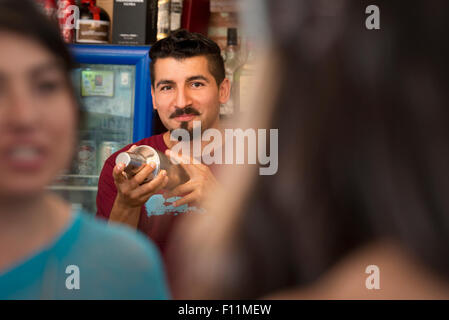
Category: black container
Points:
column 135, row 22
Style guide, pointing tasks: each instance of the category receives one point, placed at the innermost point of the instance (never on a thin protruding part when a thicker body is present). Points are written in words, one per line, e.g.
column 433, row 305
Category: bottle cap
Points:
column 232, row 37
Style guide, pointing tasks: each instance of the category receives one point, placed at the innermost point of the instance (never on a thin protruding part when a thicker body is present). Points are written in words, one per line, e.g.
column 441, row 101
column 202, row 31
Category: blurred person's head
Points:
column 38, row 110
column 363, row 123
column 188, row 80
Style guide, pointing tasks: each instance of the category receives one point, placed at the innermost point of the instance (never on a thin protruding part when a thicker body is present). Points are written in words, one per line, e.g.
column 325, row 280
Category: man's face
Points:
column 185, row 91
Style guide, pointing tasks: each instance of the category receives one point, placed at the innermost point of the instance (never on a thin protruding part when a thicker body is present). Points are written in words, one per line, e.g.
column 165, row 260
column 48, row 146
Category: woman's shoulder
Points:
column 114, row 237
column 119, row 255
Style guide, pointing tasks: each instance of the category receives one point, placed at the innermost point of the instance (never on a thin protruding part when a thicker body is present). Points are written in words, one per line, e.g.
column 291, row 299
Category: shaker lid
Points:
column 123, row 157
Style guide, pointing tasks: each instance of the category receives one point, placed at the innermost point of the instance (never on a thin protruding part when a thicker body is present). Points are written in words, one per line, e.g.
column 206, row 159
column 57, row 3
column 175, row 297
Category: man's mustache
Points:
column 185, row 111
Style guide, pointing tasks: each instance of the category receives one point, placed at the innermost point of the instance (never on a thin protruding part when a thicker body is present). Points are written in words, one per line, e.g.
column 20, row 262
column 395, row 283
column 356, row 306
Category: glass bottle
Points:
column 244, row 78
column 232, row 63
column 93, row 25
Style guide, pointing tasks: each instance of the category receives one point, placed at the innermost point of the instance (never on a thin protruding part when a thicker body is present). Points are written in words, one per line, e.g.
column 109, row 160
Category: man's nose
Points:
column 182, row 98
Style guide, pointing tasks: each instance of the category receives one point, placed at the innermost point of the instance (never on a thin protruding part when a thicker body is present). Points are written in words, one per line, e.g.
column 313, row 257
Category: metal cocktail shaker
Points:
column 134, row 161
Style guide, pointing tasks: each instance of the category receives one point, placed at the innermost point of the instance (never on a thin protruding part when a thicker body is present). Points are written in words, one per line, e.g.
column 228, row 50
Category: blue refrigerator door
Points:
column 114, row 89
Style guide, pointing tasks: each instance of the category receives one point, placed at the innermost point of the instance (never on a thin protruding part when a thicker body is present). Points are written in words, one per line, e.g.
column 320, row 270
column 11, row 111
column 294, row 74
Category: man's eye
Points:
column 197, row 84
column 166, row 88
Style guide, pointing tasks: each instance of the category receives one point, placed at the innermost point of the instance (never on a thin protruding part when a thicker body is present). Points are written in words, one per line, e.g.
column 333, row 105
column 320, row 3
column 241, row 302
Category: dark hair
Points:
column 182, row 44
column 25, row 18
column 363, row 122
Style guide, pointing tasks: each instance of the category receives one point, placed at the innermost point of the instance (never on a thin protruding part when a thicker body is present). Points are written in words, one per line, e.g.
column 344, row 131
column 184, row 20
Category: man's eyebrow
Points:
column 162, row 82
column 198, row 77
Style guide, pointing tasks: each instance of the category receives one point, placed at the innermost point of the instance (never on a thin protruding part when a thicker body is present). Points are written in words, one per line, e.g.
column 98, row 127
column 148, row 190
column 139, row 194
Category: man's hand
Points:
column 131, row 192
column 201, row 182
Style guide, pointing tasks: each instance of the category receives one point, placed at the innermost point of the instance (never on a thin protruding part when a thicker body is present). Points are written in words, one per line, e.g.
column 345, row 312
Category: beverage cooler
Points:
column 113, row 85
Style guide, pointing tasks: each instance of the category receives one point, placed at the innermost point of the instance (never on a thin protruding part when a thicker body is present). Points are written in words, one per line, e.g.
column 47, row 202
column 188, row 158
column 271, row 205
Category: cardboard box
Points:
column 135, row 22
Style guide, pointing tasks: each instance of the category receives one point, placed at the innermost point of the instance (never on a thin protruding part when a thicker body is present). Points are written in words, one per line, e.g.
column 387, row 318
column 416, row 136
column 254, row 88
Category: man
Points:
column 188, row 84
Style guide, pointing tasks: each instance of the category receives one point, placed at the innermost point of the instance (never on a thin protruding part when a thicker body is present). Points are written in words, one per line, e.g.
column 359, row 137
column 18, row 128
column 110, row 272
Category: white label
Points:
column 92, row 31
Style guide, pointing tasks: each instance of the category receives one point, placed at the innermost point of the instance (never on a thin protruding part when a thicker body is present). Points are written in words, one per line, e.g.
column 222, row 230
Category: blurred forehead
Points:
column 181, row 69
column 20, row 55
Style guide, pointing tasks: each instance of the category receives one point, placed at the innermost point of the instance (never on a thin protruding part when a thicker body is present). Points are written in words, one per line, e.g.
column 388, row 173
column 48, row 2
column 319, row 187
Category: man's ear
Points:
column 224, row 91
column 152, row 98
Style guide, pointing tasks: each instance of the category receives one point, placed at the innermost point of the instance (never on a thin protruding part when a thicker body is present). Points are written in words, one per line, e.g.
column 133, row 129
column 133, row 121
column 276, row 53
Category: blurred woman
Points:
column 47, row 251
column 363, row 123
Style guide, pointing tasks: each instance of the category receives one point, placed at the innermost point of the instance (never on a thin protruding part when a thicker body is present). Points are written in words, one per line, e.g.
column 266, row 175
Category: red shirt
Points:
column 157, row 225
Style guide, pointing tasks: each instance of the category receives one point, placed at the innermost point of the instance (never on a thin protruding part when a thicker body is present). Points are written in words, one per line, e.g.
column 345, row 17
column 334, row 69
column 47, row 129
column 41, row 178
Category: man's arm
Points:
column 106, row 190
column 120, row 213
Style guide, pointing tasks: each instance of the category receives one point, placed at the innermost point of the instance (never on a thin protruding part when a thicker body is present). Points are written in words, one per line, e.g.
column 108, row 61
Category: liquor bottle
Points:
column 175, row 14
column 93, row 24
column 244, row 77
column 163, row 19
column 232, row 63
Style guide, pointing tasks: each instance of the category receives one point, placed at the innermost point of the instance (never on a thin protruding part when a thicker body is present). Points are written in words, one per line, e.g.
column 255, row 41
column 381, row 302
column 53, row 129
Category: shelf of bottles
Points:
column 239, row 58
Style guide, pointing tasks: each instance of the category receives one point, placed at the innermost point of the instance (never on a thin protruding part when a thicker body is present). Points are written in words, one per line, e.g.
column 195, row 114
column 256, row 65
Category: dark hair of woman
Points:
column 363, row 124
column 25, row 18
